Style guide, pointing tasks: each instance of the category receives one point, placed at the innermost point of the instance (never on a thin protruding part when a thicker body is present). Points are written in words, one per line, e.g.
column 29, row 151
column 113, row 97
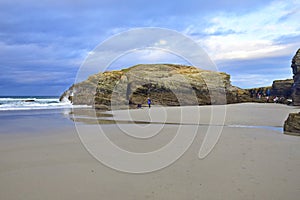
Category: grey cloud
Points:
column 36, row 36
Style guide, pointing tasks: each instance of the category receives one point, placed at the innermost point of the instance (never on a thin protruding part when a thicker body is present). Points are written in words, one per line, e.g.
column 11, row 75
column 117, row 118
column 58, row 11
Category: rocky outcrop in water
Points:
column 296, row 86
column 292, row 124
column 165, row 84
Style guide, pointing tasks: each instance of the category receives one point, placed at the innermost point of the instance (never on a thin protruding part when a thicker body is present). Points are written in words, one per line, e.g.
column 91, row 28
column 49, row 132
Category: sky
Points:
column 43, row 43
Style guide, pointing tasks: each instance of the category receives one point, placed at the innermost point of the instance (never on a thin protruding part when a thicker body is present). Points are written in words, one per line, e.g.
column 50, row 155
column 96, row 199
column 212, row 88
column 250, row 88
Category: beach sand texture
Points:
column 253, row 159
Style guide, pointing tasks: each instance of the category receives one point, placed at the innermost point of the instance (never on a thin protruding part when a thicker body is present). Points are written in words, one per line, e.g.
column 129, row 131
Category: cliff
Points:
column 165, row 84
column 292, row 124
column 296, row 86
column 82, row 93
column 282, row 88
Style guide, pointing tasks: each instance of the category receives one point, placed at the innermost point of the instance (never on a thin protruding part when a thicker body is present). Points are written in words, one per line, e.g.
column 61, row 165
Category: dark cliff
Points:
column 296, row 86
column 282, row 88
column 292, row 124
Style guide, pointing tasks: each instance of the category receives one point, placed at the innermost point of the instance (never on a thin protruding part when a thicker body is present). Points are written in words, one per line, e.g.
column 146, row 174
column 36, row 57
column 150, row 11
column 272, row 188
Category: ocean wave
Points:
column 33, row 103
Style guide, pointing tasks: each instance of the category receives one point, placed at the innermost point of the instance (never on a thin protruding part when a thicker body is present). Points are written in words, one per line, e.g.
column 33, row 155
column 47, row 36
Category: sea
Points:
column 34, row 114
column 32, row 103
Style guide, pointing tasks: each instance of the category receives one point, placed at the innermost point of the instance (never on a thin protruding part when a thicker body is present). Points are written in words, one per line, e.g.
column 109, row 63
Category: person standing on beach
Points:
column 268, row 93
column 149, row 102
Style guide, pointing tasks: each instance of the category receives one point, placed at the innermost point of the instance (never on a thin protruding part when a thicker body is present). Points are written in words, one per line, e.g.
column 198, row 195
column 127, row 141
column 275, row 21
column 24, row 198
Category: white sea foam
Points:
column 33, row 103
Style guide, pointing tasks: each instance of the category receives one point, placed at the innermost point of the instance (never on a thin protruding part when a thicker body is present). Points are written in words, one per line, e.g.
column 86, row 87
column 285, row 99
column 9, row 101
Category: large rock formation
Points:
column 82, row 93
column 165, row 84
column 296, row 86
column 282, row 88
column 292, row 124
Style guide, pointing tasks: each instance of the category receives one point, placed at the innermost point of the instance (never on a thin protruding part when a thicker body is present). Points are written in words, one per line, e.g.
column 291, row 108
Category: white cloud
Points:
column 161, row 43
column 252, row 35
column 146, row 56
column 156, row 55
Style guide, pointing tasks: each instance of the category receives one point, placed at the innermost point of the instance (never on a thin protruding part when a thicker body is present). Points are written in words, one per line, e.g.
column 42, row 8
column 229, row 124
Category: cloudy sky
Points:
column 43, row 43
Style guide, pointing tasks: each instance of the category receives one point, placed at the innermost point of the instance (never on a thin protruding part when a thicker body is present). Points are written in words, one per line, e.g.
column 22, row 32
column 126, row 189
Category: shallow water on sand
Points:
column 92, row 117
column 18, row 121
column 34, row 121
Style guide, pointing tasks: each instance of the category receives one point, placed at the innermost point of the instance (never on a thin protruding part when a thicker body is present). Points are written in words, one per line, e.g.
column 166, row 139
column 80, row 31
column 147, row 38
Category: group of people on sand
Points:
column 282, row 100
column 260, row 94
column 148, row 102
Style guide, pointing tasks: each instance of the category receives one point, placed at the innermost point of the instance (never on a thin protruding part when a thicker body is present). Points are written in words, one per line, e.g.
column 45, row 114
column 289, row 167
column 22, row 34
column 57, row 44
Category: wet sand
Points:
column 42, row 157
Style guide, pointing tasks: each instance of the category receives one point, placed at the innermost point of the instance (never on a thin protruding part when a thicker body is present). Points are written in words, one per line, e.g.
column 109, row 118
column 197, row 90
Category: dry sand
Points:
column 246, row 163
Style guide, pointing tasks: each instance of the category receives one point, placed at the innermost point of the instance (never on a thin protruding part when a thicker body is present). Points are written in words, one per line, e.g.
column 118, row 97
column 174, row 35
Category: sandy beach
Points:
column 42, row 157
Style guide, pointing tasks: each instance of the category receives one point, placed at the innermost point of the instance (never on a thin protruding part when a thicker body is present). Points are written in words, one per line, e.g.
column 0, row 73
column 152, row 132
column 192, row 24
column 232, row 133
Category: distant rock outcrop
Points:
column 282, row 88
column 165, row 84
column 292, row 124
column 296, row 86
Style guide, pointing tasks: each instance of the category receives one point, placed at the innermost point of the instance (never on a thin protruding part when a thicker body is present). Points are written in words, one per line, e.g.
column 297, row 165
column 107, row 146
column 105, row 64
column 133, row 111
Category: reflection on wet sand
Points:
column 92, row 116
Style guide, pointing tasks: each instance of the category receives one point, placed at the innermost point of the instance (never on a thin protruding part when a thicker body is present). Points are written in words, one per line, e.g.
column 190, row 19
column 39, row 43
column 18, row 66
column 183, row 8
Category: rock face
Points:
column 282, row 88
column 292, row 124
column 165, row 84
column 82, row 93
column 296, row 86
